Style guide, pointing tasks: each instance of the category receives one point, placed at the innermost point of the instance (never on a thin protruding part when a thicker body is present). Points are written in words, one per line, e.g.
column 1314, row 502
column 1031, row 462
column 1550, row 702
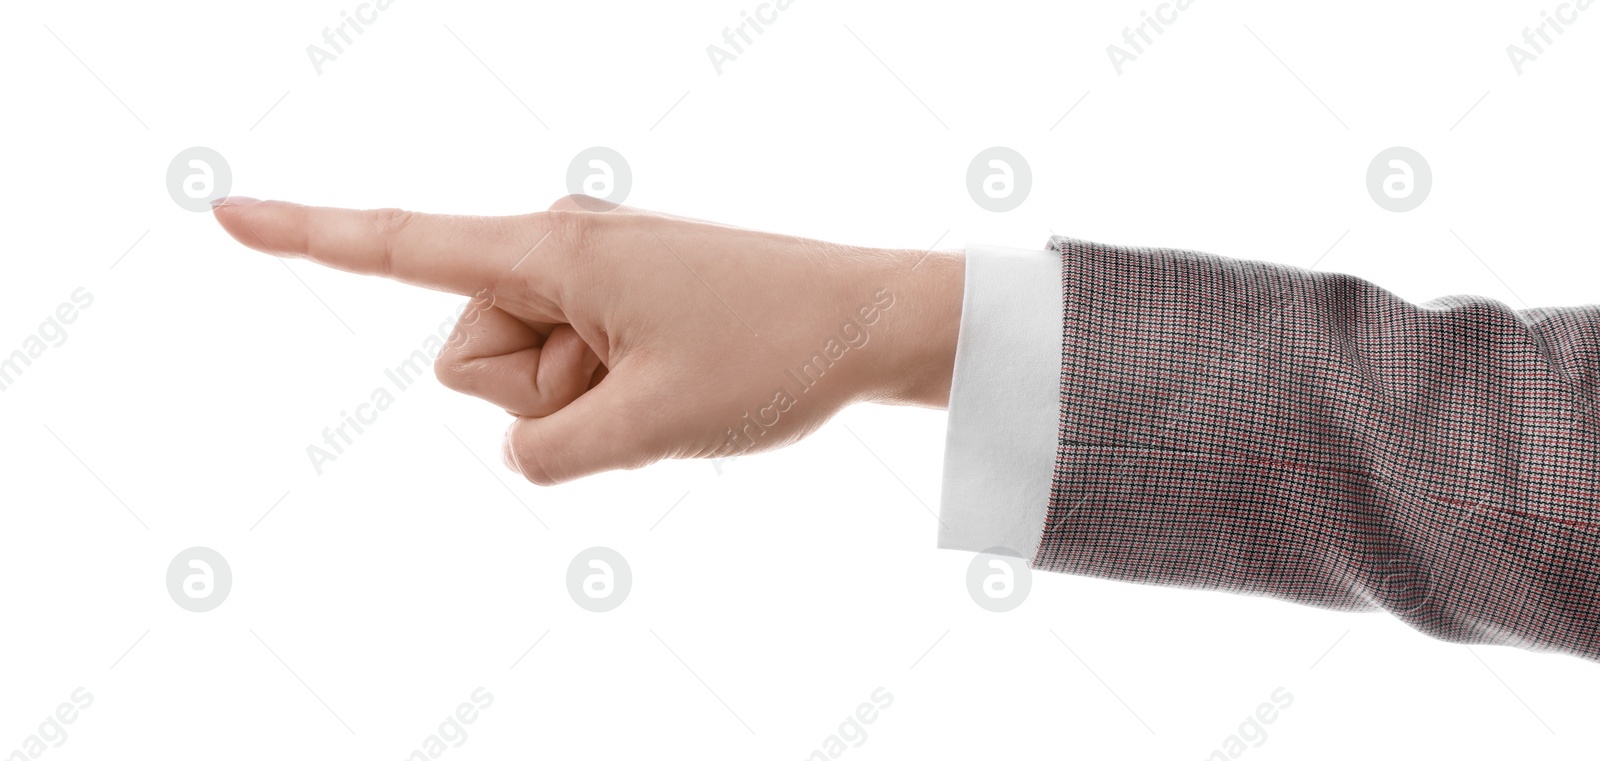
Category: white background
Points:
column 776, row 595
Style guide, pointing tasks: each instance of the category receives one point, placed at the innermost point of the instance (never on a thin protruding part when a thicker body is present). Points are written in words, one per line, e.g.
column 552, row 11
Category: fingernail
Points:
column 234, row 201
column 506, row 455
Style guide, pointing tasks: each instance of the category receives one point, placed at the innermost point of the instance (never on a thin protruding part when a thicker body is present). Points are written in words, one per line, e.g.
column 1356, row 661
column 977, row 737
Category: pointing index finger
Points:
column 459, row 254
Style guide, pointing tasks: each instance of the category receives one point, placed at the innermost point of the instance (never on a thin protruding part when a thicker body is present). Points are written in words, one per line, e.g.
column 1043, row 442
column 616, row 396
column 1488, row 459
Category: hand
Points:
column 619, row 337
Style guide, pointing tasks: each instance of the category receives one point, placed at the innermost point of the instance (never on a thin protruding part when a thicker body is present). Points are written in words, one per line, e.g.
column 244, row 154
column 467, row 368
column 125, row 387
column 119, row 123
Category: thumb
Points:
column 593, row 434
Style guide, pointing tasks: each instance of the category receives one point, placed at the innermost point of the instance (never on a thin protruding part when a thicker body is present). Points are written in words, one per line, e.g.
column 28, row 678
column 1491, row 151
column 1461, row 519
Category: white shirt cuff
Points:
column 1005, row 402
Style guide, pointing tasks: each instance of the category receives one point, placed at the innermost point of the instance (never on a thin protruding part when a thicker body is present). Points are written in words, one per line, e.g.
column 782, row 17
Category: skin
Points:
column 618, row 337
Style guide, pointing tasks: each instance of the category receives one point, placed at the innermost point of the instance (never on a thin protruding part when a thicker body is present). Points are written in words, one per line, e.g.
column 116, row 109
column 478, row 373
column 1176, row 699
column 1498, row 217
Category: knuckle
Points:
column 583, row 202
column 389, row 224
column 569, row 226
column 568, row 202
column 453, row 373
column 389, row 221
column 569, row 234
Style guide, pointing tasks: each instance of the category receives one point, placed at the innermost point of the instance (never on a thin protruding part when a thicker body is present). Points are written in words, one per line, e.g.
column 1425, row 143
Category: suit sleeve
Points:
column 1267, row 430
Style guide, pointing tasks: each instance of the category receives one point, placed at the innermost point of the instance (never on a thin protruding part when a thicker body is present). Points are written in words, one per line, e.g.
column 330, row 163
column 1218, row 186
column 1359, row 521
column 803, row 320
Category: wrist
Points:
column 921, row 322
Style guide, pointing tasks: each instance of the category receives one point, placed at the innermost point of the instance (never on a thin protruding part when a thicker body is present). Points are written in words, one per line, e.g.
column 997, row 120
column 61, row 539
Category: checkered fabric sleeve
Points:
column 1263, row 429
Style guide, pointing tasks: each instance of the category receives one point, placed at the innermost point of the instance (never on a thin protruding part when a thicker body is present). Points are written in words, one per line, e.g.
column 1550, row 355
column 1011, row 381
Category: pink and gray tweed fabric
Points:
column 1263, row 429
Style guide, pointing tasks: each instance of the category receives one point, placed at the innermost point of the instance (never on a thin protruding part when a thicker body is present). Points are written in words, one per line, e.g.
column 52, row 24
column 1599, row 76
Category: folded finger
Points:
column 523, row 370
